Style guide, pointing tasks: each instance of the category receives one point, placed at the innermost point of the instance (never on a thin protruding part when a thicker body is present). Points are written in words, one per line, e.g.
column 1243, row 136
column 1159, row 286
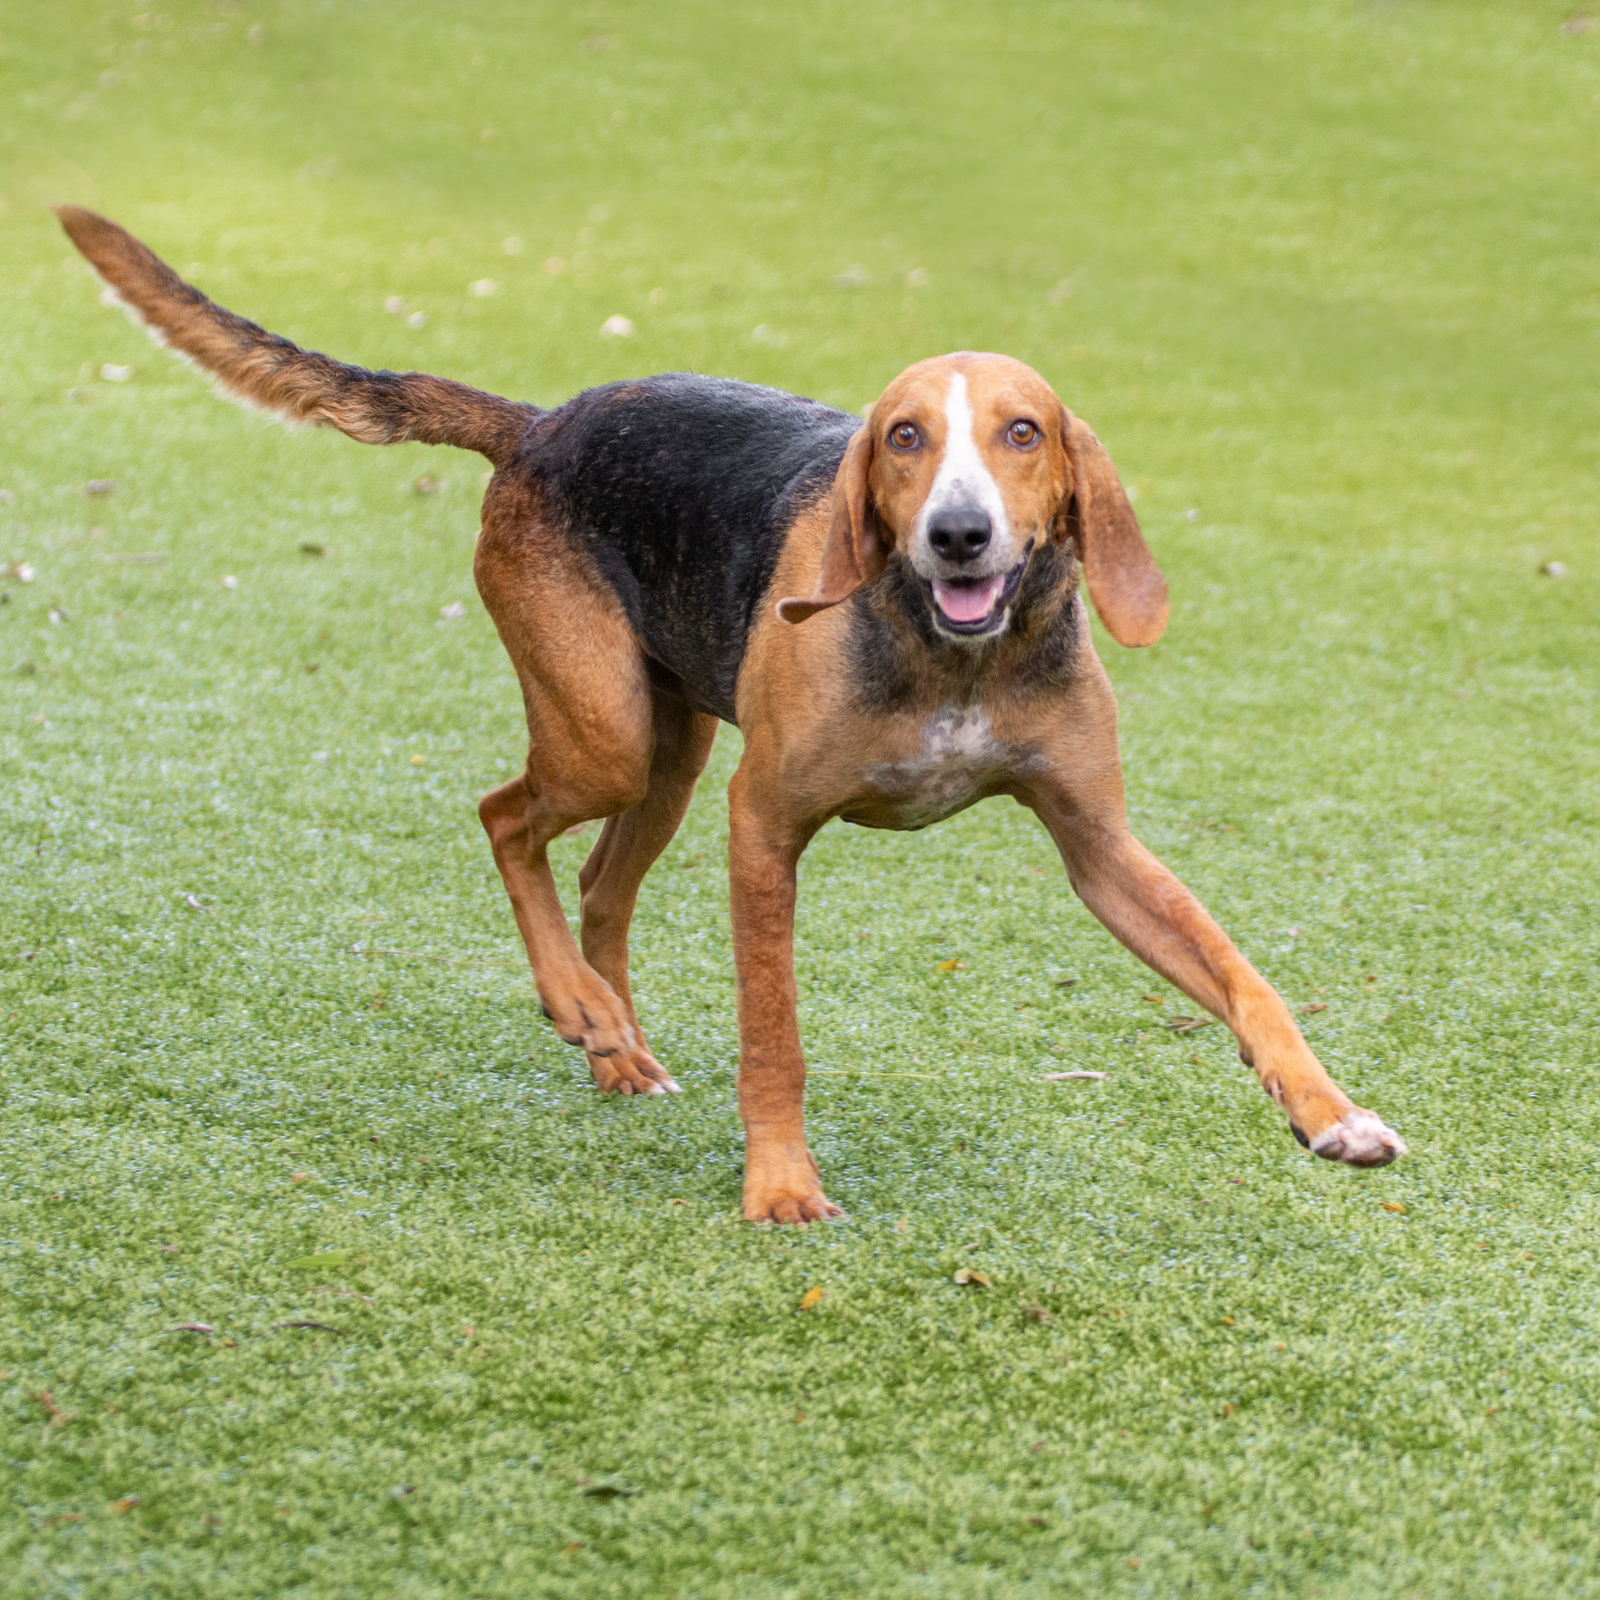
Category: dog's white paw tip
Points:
column 1360, row 1140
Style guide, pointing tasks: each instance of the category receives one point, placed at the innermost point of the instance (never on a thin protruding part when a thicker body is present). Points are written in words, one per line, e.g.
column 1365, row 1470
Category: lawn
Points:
column 1323, row 279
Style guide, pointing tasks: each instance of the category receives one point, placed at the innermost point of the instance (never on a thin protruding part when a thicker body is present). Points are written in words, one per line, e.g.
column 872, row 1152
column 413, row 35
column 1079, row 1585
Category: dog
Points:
column 887, row 609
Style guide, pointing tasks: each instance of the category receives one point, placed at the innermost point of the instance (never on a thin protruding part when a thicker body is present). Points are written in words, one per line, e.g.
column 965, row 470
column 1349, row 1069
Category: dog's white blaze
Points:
column 964, row 477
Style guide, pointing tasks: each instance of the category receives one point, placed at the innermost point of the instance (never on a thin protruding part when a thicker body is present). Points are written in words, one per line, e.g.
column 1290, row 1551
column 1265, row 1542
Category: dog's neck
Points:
column 904, row 662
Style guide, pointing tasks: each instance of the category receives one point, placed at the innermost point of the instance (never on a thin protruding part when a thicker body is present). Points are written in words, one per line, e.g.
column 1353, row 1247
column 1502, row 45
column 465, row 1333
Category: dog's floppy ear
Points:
column 1124, row 581
column 856, row 550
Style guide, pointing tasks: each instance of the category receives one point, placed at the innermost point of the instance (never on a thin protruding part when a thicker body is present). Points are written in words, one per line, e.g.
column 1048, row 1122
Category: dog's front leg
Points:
column 780, row 1177
column 1158, row 919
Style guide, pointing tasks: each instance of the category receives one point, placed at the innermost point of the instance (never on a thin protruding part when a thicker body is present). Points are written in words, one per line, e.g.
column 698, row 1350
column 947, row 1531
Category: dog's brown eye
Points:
column 903, row 436
column 1023, row 432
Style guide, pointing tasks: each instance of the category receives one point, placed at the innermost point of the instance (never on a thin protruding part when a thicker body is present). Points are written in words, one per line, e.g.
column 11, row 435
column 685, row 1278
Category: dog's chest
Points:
column 959, row 758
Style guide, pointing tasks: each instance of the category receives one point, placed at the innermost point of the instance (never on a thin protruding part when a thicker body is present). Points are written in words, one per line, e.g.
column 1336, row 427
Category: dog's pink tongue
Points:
column 966, row 602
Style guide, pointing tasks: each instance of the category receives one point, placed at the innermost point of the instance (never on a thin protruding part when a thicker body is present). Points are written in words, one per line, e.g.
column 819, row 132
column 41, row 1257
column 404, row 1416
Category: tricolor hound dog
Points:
column 887, row 609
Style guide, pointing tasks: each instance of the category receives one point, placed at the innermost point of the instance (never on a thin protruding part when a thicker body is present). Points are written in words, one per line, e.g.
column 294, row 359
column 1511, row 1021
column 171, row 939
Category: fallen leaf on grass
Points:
column 1065, row 983
column 314, row 1327
column 58, row 1417
column 1187, row 1024
column 191, row 1327
column 1394, row 1206
column 1153, row 999
column 607, row 1489
column 966, row 1276
column 950, row 966
column 1066, row 1077
column 812, row 1297
column 126, row 1503
column 1312, row 1009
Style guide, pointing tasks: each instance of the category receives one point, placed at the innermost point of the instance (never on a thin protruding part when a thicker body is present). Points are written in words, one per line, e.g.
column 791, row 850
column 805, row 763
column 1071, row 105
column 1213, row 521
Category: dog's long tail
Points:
column 260, row 369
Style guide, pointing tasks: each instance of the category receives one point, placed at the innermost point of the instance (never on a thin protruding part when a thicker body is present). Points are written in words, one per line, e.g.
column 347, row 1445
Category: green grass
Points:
column 1322, row 276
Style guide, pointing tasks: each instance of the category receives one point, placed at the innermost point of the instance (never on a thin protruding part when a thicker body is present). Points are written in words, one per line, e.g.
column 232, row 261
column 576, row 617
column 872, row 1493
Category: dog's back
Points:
column 680, row 488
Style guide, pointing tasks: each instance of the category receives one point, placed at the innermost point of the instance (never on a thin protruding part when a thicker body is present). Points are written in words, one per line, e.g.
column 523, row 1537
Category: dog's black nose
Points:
column 960, row 533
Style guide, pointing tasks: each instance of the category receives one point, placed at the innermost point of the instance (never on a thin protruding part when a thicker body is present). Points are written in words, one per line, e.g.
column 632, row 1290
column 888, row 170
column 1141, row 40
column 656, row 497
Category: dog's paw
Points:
column 631, row 1070
column 782, row 1186
column 798, row 1206
column 1359, row 1139
column 593, row 1015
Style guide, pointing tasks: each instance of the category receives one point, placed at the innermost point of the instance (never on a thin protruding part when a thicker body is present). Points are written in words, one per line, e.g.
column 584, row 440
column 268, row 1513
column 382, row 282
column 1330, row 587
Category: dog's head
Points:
column 966, row 465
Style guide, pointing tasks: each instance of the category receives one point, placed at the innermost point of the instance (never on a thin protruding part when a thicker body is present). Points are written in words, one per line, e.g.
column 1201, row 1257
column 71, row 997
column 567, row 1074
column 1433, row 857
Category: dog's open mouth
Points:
column 975, row 605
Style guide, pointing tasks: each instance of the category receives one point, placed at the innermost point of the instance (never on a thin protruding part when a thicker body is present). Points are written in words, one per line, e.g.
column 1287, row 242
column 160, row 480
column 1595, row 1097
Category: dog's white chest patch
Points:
column 959, row 755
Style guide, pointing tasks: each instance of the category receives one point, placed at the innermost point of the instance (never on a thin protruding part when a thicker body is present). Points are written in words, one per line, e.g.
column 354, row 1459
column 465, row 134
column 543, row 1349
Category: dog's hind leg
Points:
column 590, row 738
column 630, row 843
